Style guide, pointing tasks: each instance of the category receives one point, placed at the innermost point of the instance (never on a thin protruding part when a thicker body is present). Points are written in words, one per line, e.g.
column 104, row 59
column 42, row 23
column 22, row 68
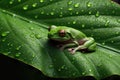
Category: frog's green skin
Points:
column 75, row 38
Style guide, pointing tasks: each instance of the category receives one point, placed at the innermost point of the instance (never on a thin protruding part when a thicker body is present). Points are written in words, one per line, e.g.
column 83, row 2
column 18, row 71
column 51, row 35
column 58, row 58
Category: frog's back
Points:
column 78, row 34
column 75, row 33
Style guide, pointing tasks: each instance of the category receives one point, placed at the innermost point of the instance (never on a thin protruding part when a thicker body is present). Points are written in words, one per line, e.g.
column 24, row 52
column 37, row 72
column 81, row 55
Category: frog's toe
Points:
column 71, row 50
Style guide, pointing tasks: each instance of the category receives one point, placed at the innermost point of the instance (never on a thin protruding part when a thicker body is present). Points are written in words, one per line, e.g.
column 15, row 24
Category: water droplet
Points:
column 59, row 69
column 11, row 44
column 70, row 9
column 90, row 70
column 32, row 36
column 33, row 55
column 52, row 13
column 34, row 5
column 5, row 33
column 70, row 2
column 83, row 73
column 112, row 41
column 30, row 21
column 82, row 10
column 18, row 54
column 117, row 33
column 25, row 7
column 11, row 2
column 61, row 8
column 76, row 5
column 3, row 40
column 103, row 43
column 51, row 66
column 19, row 0
column 74, row 22
column 89, row 4
column 14, row 15
column 61, row 15
column 18, row 48
column 90, row 12
column 77, row 12
column 42, row 12
column 36, row 16
column 97, row 14
column 110, row 56
column 31, row 28
column 74, row 74
column 83, row 25
column 51, row 0
column 63, row 67
column 41, row 1
column 38, row 36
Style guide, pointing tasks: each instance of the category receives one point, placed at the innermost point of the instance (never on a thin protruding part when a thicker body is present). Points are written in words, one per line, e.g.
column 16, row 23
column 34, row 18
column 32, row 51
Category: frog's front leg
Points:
column 90, row 45
column 72, row 44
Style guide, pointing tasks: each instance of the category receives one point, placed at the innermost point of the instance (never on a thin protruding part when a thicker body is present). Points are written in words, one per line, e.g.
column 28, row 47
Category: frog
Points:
column 72, row 39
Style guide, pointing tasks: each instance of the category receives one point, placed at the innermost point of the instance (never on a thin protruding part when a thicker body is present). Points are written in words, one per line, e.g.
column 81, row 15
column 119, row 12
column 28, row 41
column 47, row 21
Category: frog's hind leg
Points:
column 92, row 47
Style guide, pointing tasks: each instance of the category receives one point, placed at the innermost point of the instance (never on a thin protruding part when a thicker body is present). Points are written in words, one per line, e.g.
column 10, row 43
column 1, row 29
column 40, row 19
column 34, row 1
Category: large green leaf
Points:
column 23, row 29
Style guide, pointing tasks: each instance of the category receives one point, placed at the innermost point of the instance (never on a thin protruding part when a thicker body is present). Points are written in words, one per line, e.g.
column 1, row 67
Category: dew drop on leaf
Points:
column 59, row 69
column 52, row 13
column 34, row 5
column 70, row 9
column 5, row 33
column 112, row 41
column 25, row 7
column 31, row 28
column 36, row 16
column 89, row 5
column 103, row 43
column 90, row 70
column 90, row 12
column 76, row 5
column 77, row 12
column 83, row 73
column 60, row 15
column 83, row 25
column 38, row 36
column 3, row 40
column 70, row 2
column 14, row 15
column 51, row 0
column 18, row 54
column 18, row 48
column 110, row 56
column 42, row 12
column 117, row 33
column 11, row 2
column 74, row 22
column 41, row 1
column 74, row 74
column 19, row 0
column 32, row 35
column 97, row 14
column 51, row 66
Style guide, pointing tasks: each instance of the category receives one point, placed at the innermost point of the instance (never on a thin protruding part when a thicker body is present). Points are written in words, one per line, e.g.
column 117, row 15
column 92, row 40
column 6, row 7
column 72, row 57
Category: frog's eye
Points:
column 62, row 33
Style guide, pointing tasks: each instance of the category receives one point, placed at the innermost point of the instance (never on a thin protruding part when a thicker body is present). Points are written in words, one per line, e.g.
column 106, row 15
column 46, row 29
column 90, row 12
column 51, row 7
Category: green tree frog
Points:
column 72, row 39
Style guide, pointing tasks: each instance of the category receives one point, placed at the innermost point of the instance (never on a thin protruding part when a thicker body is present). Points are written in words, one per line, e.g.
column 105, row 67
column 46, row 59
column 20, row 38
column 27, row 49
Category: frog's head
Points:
column 60, row 33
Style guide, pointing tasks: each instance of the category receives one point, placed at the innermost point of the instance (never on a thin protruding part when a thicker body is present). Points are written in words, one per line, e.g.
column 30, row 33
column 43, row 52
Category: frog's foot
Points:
column 71, row 50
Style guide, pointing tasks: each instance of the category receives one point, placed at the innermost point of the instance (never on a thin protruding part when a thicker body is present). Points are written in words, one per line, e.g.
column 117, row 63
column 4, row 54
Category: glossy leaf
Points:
column 23, row 35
